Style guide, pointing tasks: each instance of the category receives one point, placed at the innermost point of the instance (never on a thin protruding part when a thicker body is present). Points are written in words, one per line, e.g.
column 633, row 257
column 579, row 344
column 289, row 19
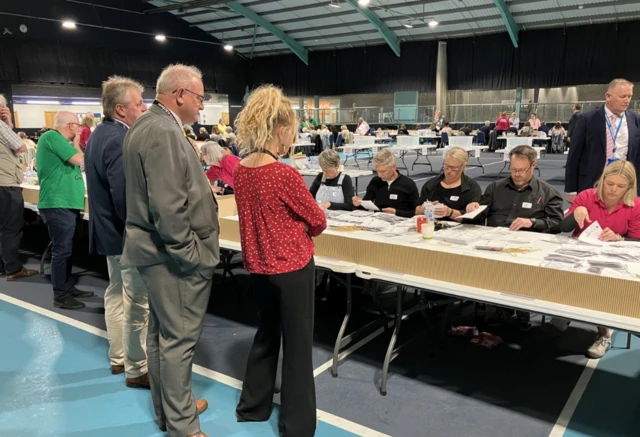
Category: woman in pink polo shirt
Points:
column 221, row 167
column 616, row 208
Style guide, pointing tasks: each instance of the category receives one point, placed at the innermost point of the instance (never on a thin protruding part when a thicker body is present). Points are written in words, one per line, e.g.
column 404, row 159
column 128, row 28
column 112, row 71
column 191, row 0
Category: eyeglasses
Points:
column 452, row 167
column 199, row 96
column 74, row 123
column 520, row 170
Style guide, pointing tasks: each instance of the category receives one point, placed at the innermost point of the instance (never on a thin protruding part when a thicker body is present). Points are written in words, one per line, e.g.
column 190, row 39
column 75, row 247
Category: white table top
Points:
column 352, row 173
column 415, row 147
column 362, row 146
column 467, row 148
column 533, row 138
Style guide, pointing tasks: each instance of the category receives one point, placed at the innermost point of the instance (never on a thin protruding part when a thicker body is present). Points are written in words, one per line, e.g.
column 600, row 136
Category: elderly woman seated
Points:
column 221, row 167
column 390, row 191
column 613, row 204
column 453, row 190
column 332, row 188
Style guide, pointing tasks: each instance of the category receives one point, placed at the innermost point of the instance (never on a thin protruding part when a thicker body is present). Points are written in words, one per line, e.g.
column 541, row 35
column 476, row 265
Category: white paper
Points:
column 361, row 213
column 591, row 235
column 370, row 205
column 474, row 214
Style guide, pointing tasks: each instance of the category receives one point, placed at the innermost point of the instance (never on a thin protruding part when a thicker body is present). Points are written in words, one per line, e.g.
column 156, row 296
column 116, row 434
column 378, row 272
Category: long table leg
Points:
column 503, row 167
column 343, row 328
column 392, row 342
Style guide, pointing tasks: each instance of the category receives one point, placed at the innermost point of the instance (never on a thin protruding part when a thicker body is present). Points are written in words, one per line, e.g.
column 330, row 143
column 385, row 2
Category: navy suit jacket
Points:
column 588, row 153
column 106, row 188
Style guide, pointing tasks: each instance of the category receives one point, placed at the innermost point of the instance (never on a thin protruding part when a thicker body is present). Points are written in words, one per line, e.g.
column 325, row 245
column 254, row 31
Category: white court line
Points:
column 344, row 354
column 572, row 403
column 329, row 418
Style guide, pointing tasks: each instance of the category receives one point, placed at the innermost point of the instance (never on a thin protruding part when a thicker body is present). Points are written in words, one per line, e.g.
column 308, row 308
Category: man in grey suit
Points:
column 172, row 237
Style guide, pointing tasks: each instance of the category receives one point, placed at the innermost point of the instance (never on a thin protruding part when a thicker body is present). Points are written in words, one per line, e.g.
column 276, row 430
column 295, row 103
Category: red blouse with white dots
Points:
column 278, row 216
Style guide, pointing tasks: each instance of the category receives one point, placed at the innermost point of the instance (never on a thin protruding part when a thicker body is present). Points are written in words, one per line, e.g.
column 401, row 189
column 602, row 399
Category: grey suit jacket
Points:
column 172, row 215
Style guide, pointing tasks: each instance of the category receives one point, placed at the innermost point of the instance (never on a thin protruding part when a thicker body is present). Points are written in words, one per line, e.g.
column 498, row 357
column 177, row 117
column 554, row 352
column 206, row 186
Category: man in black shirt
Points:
column 390, row 191
column 521, row 202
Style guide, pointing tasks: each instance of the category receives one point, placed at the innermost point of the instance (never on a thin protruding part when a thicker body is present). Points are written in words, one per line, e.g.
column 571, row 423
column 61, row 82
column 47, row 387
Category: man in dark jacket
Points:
column 125, row 300
column 572, row 121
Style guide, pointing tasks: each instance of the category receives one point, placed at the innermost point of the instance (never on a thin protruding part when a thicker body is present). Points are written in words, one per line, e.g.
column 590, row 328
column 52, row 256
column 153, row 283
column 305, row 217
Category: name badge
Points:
column 393, row 196
column 454, row 198
column 526, row 205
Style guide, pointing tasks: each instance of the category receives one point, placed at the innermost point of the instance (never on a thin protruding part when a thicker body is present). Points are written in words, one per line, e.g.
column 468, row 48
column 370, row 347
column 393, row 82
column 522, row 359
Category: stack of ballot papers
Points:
column 490, row 245
column 602, row 263
column 561, row 258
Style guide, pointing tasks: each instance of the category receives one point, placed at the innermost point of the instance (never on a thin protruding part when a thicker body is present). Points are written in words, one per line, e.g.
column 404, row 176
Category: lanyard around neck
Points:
column 168, row 111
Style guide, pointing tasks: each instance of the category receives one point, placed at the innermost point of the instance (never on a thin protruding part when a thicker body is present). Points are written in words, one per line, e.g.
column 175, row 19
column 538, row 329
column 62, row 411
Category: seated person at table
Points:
column 390, row 191
column 221, row 167
column 332, row 189
column 616, row 208
column 403, row 130
column 520, row 202
column 453, row 189
column 465, row 130
column 526, row 130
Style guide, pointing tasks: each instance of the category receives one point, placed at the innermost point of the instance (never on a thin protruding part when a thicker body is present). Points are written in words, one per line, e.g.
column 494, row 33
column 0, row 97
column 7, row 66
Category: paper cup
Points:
column 427, row 231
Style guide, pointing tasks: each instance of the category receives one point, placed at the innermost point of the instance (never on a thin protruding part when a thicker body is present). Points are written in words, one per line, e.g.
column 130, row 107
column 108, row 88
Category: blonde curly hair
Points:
column 267, row 108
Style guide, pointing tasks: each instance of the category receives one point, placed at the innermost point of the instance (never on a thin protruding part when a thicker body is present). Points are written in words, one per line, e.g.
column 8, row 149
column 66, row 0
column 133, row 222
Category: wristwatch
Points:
column 533, row 222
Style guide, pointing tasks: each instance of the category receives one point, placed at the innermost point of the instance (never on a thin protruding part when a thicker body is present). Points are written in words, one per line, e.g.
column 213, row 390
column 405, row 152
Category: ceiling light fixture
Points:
column 43, row 102
column 161, row 38
column 69, row 24
column 580, row 6
column 408, row 25
column 80, row 103
column 228, row 47
column 334, row 4
column 363, row 2
column 433, row 23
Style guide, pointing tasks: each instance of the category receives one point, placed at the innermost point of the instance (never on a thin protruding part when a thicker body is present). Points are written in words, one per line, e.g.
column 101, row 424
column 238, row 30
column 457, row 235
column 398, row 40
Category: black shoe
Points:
column 79, row 293
column 497, row 319
column 68, row 303
column 524, row 324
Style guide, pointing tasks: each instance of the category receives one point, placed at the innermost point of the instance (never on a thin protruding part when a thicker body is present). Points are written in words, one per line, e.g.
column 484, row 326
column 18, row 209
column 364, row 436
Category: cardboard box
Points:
column 31, row 195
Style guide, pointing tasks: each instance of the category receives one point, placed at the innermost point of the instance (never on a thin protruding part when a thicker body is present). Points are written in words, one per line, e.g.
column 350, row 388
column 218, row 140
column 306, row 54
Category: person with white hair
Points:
column 126, row 307
column 390, row 191
column 172, row 239
column 61, row 202
column 222, row 164
column 12, row 217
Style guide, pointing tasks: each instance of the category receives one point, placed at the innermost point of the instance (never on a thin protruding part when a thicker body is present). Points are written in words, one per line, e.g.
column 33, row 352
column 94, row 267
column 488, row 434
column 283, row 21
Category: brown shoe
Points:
column 24, row 273
column 141, row 381
column 201, row 407
column 117, row 370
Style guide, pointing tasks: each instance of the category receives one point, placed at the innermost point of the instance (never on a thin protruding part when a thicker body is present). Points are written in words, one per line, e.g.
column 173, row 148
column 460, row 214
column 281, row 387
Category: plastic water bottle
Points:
column 428, row 228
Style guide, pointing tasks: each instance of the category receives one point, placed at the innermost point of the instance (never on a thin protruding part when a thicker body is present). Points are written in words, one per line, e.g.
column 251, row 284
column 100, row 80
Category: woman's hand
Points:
column 356, row 201
column 582, row 216
column 325, row 205
column 609, row 235
column 217, row 190
column 389, row 210
column 472, row 206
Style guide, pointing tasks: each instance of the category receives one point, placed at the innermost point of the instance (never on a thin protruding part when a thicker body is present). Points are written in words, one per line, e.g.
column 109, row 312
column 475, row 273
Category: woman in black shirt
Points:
column 403, row 130
column 452, row 188
column 331, row 188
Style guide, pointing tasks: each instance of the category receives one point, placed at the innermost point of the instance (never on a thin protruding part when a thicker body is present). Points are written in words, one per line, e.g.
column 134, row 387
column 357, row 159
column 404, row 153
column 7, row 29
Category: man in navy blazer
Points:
column 611, row 124
column 126, row 298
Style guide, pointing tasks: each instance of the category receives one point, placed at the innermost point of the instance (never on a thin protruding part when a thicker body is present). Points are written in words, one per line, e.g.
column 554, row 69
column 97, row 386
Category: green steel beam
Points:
column 388, row 35
column 509, row 21
column 294, row 45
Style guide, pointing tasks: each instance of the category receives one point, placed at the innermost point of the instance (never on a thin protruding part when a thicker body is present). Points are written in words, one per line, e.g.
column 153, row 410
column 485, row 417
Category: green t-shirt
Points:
column 61, row 183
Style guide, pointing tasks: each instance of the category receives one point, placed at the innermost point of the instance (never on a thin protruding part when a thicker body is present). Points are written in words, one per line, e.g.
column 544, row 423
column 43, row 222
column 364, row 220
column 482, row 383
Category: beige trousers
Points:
column 126, row 305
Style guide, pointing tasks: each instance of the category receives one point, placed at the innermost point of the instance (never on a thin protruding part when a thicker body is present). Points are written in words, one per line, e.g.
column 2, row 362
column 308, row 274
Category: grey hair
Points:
column 175, row 76
column 329, row 159
column 384, row 157
column 229, row 129
column 63, row 118
column 213, row 151
column 3, row 101
column 216, row 137
column 115, row 92
column 615, row 82
column 231, row 138
column 524, row 152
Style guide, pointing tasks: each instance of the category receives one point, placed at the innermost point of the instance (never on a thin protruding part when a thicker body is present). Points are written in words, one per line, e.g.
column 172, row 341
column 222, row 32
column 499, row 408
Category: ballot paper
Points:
column 474, row 214
column 492, row 245
column 591, row 235
column 361, row 213
column 367, row 204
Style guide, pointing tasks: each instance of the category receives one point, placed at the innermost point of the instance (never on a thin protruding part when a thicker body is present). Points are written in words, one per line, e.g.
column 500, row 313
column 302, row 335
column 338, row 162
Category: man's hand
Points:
column 76, row 141
column 5, row 115
column 356, row 201
column 571, row 197
column 582, row 216
column 389, row 210
column 520, row 223
column 473, row 206
column 217, row 190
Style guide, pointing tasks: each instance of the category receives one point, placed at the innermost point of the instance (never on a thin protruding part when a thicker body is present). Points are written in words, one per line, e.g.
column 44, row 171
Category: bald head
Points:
column 67, row 124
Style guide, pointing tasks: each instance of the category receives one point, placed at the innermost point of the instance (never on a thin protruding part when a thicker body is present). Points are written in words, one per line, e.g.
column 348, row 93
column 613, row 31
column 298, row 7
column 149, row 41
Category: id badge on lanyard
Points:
column 613, row 137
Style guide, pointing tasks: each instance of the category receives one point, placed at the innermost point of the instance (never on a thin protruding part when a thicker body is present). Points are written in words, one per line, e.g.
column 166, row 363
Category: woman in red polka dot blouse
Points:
column 278, row 217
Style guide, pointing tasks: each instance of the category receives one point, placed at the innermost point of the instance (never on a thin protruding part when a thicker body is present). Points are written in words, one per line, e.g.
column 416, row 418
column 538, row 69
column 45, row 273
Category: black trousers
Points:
column 285, row 309
column 11, row 225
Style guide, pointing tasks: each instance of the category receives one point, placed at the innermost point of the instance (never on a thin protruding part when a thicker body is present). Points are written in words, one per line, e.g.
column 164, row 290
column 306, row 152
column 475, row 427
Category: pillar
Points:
column 316, row 112
column 441, row 79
